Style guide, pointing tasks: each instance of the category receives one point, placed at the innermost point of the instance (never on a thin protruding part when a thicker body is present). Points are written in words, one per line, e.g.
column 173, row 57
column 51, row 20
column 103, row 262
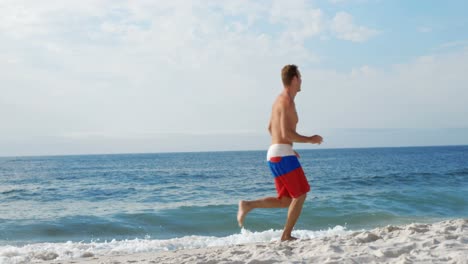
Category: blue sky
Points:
column 149, row 76
column 407, row 30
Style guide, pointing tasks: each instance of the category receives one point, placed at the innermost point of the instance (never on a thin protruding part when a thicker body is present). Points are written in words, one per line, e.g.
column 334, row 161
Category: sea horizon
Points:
column 318, row 148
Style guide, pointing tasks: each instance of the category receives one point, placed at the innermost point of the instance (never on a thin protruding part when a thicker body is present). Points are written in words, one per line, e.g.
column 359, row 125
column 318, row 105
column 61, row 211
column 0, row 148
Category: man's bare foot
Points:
column 289, row 238
column 242, row 212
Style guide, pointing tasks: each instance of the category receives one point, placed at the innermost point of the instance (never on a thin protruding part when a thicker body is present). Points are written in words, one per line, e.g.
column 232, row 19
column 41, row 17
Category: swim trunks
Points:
column 290, row 179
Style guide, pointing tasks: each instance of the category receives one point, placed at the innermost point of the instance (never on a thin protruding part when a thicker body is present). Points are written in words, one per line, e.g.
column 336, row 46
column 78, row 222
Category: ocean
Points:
column 63, row 207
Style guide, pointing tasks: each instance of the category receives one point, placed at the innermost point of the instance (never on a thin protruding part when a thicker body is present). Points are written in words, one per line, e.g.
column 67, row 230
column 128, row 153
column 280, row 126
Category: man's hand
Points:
column 316, row 139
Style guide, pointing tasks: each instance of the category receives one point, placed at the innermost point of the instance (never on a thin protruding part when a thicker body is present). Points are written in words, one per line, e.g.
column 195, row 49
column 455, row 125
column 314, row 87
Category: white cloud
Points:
column 427, row 92
column 336, row 2
column 424, row 29
column 105, row 68
column 301, row 20
column 363, row 71
column 123, row 69
column 343, row 27
column 452, row 44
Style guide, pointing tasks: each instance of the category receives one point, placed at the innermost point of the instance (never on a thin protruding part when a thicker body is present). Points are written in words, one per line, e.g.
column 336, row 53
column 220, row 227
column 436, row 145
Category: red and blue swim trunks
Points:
column 290, row 179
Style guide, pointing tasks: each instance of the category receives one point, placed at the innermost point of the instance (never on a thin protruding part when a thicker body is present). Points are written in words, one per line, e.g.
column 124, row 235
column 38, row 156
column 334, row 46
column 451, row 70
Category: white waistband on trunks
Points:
column 280, row 150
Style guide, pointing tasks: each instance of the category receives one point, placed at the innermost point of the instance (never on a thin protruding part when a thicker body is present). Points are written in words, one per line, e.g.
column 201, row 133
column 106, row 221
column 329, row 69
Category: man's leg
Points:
column 294, row 212
column 268, row 202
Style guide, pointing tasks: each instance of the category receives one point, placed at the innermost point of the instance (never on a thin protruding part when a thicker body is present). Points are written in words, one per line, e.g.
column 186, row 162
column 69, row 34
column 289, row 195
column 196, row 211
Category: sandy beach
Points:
column 442, row 242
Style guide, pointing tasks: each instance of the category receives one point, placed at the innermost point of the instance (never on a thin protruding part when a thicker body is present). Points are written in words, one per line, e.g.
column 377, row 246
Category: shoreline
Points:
column 441, row 242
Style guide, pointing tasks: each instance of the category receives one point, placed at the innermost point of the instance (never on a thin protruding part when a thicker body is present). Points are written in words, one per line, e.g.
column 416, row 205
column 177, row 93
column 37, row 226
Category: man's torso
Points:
column 283, row 105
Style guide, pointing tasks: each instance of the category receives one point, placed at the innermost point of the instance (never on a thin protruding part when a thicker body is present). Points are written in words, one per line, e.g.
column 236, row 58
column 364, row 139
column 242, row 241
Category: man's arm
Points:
column 287, row 128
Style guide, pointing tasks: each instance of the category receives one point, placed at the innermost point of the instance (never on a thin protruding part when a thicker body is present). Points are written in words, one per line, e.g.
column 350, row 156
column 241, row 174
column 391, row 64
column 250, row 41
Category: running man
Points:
column 290, row 181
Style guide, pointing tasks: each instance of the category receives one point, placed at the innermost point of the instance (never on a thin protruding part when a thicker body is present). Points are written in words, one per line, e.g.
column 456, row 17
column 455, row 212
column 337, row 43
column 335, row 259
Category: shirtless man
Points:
column 290, row 181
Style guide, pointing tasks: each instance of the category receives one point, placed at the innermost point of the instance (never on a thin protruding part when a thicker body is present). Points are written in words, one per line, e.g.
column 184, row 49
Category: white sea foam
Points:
column 70, row 250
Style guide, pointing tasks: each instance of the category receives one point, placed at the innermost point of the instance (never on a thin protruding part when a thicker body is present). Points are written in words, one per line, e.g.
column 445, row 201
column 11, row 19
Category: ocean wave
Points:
column 13, row 191
column 460, row 172
column 72, row 250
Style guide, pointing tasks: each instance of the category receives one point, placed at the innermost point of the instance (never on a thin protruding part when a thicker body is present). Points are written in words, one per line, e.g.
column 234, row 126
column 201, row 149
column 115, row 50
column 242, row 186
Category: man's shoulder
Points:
column 283, row 103
column 284, row 100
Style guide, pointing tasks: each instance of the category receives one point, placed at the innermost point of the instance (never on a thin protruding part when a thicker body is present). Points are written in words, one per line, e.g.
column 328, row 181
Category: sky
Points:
column 111, row 76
